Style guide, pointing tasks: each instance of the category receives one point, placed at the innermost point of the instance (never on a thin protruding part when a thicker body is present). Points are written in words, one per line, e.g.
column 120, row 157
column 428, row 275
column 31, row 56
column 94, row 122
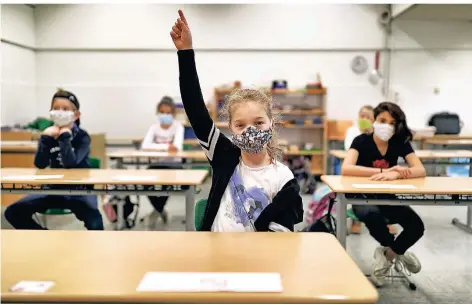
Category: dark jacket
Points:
column 285, row 209
column 68, row 151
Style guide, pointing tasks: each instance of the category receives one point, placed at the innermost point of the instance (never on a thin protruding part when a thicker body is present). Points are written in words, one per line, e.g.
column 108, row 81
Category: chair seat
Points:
column 57, row 212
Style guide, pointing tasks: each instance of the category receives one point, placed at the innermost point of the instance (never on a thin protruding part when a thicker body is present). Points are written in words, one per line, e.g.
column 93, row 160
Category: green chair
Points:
column 200, row 207
column 350, row 214
column 94, row 163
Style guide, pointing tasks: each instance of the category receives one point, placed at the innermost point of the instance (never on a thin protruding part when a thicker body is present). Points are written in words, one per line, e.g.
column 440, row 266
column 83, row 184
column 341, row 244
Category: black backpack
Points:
column 446, row 123
column 326, row 224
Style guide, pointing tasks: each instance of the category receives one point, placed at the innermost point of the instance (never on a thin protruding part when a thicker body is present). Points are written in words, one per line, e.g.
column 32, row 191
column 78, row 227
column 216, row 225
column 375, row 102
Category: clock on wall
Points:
column 359, row 64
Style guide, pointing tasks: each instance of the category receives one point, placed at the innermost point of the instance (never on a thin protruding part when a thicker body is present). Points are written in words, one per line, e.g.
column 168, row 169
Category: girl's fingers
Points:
column 182, row 17
column 176, row 30
column 174, row 35
column 182, row 25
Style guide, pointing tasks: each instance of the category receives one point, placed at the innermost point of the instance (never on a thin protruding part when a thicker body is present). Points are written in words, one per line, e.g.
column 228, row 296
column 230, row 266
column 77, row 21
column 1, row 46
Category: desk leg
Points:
column 119, row 163
column 468, row 225
column 341, row 219
column 190, row 209
column 121, row 211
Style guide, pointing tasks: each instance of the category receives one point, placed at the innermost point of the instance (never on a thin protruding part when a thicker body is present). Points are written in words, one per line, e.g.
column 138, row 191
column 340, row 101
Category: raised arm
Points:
column 191, row 93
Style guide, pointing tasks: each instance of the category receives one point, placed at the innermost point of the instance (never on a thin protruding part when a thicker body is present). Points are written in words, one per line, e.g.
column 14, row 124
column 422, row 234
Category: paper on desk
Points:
column 32, row 286
column 32, row 177
column 134, row 178
column 384, row 186
column 210, row 282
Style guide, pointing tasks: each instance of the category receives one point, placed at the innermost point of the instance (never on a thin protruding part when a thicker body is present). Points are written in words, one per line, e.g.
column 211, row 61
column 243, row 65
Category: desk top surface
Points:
column 107, row 266
column 462, row 136
column 132, row 153
column 465, row 142
column 422, row 154
column 427, row 185
column 103, row 176
column 18, row 146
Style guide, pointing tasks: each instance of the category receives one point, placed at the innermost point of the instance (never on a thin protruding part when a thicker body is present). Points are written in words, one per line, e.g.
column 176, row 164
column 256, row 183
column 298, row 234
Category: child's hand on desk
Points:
column 172, row 148
column 404, row 172
column 52, row 131
column 386, row 176
column 180, row 33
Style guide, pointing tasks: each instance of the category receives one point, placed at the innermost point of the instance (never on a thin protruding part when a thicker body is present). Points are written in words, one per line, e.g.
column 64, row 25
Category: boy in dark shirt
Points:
column 64, row 145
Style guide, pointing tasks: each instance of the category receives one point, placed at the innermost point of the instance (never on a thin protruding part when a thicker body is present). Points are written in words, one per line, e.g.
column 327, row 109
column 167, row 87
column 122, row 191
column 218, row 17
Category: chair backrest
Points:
column 200, row 207
column 94, row 162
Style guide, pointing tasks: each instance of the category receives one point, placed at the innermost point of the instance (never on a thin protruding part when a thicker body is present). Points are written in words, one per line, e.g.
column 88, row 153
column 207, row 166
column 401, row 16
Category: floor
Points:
column 445, row 251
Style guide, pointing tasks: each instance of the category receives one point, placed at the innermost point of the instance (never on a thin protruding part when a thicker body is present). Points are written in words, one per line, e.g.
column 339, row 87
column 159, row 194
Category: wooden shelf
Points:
column 321, row 91
column 304, row 153
column 317, row 171
column 308, row 126
column 303, row 112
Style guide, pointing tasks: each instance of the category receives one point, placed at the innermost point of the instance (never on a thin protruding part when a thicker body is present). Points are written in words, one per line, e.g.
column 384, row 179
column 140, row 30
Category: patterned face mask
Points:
column 252, row 140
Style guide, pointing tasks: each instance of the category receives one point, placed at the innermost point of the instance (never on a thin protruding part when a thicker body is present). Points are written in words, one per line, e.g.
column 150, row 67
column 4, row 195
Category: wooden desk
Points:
column 452, row 142
column 16, row 153
column 107, row 266
column 105, row 182
column 191, row 157
column 455, row 191
column 440, row 157
column 441, row 137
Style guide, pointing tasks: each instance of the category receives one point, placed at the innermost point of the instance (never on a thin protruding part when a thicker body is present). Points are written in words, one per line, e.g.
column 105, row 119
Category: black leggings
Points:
column 376, row 218
column 159, row 202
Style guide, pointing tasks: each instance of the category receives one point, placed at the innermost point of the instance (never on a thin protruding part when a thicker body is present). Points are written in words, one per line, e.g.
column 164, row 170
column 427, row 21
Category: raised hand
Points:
column 180, row 33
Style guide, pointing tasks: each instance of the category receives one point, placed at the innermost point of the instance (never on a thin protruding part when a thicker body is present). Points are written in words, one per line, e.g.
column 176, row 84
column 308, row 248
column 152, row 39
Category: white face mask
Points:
column 383, row 131
column 61, row 118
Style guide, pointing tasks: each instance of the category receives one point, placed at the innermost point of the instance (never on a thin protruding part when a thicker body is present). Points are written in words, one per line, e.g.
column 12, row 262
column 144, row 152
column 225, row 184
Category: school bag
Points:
column 446, row 123
column 111, row 210
column 319, row 215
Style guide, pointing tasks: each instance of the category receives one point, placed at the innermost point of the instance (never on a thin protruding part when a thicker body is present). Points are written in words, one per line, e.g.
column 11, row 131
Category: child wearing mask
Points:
column 166, row 135
column 251, row 190
column 64, row 145
column 375, row 155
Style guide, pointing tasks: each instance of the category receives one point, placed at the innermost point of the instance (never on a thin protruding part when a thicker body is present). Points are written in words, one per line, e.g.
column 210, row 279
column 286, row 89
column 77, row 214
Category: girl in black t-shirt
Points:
column 375, row 155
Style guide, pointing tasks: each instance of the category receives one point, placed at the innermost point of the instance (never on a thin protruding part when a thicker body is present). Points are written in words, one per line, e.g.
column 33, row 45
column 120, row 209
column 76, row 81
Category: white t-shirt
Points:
column 158, row 138
column 270, row 178
column 351, row 133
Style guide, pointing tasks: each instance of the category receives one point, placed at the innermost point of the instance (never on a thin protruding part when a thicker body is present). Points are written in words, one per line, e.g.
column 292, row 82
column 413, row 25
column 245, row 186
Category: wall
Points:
column 119, row 59
column 433, row 54
column 18, row 96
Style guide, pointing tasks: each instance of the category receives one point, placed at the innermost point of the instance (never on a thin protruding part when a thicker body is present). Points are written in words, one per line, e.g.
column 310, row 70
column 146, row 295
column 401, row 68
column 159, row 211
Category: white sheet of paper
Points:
column 384, row 186
column 32, row 177
column 32, row 286
column 210, row 282
column 134, row 178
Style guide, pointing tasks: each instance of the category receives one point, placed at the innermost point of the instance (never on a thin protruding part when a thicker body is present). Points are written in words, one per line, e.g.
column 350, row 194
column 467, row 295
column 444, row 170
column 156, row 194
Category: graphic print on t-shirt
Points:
column 158, row 139
column 381, row 163
column 247, row 204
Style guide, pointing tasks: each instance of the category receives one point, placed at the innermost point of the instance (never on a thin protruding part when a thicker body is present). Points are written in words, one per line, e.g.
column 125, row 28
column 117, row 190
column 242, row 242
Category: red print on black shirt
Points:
column 382, row 163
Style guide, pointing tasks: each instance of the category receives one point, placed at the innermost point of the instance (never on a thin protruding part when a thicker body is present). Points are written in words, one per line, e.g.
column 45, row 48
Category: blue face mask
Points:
column 165, row 118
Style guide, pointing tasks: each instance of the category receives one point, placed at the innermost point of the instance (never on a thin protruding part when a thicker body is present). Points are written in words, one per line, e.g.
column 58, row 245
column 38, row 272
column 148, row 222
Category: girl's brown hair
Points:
column 239, row 96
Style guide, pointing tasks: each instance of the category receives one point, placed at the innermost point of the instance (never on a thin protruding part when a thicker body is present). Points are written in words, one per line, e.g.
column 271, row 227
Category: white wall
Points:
column 116, row 76
column 18, row 96
column 429, row 55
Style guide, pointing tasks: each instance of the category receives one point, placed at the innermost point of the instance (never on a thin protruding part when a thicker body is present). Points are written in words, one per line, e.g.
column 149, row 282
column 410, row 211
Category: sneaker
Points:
column 408, row 261
column 381, row 267
column 165, row 217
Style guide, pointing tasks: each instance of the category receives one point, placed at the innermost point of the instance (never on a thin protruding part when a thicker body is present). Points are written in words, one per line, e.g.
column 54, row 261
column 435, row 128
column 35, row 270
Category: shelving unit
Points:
column 304, row 121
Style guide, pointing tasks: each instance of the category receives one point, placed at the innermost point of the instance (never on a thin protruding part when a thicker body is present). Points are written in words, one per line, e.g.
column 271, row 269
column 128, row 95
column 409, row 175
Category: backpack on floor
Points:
column 319, row 214
column 111, row 210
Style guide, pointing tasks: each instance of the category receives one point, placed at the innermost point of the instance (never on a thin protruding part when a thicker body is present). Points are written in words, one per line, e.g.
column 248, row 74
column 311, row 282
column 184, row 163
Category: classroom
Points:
column 139, row 140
